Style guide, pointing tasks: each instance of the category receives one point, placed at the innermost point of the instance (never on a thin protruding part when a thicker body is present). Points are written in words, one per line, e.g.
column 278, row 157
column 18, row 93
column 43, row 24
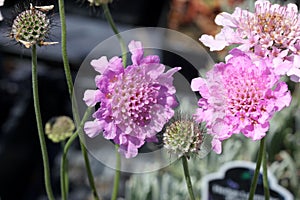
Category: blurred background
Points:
column 21, row 172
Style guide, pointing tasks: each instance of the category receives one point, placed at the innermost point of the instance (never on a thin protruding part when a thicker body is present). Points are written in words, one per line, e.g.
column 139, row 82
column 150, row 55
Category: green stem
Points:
column 40, row 124
column 63, row 174
column 256, row 173
column 115, row 30
column 63, row 168
column 66, row 60
column 265, row 175
column 89, row 171
column 70, row 89
column 64, row 46
column 187, row 177
column 124, row 59
column 114, row 195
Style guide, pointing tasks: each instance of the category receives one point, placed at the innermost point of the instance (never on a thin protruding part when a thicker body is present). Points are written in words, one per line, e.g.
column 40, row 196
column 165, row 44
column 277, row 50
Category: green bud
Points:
column 59, row 128
column 183, row 137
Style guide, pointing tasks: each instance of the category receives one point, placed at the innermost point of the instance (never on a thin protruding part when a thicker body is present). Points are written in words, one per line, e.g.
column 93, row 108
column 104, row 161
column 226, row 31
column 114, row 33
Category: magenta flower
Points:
column 272, row 31
column 135, row 102
column 239, row 96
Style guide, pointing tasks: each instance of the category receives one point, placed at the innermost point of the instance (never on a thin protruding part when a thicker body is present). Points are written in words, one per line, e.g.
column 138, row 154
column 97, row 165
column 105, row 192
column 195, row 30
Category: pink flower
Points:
column 239, row 96
column 135, row 102
column 272, row 31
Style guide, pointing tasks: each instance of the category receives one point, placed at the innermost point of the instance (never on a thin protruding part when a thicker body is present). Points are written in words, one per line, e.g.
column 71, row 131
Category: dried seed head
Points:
column 183, row 137
column 32, row 26
column 59, row 128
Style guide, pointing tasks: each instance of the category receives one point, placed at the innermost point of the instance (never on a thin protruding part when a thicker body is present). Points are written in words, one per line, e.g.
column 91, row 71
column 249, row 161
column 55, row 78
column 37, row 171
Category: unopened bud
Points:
column 59, row 128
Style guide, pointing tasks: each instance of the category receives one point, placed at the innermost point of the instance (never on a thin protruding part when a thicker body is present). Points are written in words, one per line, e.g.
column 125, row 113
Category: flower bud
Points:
column 59, row 128
column 183, row 137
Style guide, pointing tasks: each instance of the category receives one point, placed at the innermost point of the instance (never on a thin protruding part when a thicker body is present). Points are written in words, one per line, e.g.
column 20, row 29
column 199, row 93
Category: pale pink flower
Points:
column 239, row 96
column 272, row 31
column 135, row 102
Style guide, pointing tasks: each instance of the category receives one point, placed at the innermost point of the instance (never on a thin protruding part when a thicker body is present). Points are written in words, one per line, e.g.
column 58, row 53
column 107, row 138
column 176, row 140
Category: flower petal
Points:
column 137, row 52
column 151, row 59
column 216, row 145
column 91, row 97
column 100, row 64
column 93, row 128
column 129, row 150
column 212, row 43
column 225, row 19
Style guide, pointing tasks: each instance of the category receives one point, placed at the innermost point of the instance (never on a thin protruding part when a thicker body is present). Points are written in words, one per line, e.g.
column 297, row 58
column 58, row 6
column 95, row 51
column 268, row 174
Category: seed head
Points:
column 32, row 26
column 183, row 137
column 59, row 128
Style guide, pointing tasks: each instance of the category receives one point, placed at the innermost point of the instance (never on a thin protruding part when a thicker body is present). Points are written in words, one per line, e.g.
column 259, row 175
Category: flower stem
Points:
column 256, row 173
column 124, row 59
column 265, row 175
column 114, row 195
column 115, row 30
column 63, row 173
column 187, row 177
column 89, row 171
column 40, row 124
column 64, row 46
column 70, row 89
column 63, row 168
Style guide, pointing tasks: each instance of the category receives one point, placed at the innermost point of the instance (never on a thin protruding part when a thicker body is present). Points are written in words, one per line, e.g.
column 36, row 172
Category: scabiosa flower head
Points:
column 272, row 31
column 59, row 128
column 239, row 96
column 135, row 102
column 1, row 4
column 32, row 26
column 183, row 137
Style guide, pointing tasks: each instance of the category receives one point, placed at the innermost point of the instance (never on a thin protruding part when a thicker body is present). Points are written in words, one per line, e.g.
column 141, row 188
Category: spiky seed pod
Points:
column 59, row 128
column 183, row 137
column 32, row 26
column 99, row 2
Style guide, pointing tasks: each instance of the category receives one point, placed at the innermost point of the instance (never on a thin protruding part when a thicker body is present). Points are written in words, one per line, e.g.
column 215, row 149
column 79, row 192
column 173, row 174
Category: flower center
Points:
column 133, row 99
column 275, row 26
column 140, row 104
column 244, row 97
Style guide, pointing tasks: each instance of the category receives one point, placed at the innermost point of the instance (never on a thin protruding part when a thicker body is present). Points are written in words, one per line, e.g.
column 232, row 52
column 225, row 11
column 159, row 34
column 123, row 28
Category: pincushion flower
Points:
column 239, row 96
column 272, row 31
column 135, row 102
column 1, row 4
